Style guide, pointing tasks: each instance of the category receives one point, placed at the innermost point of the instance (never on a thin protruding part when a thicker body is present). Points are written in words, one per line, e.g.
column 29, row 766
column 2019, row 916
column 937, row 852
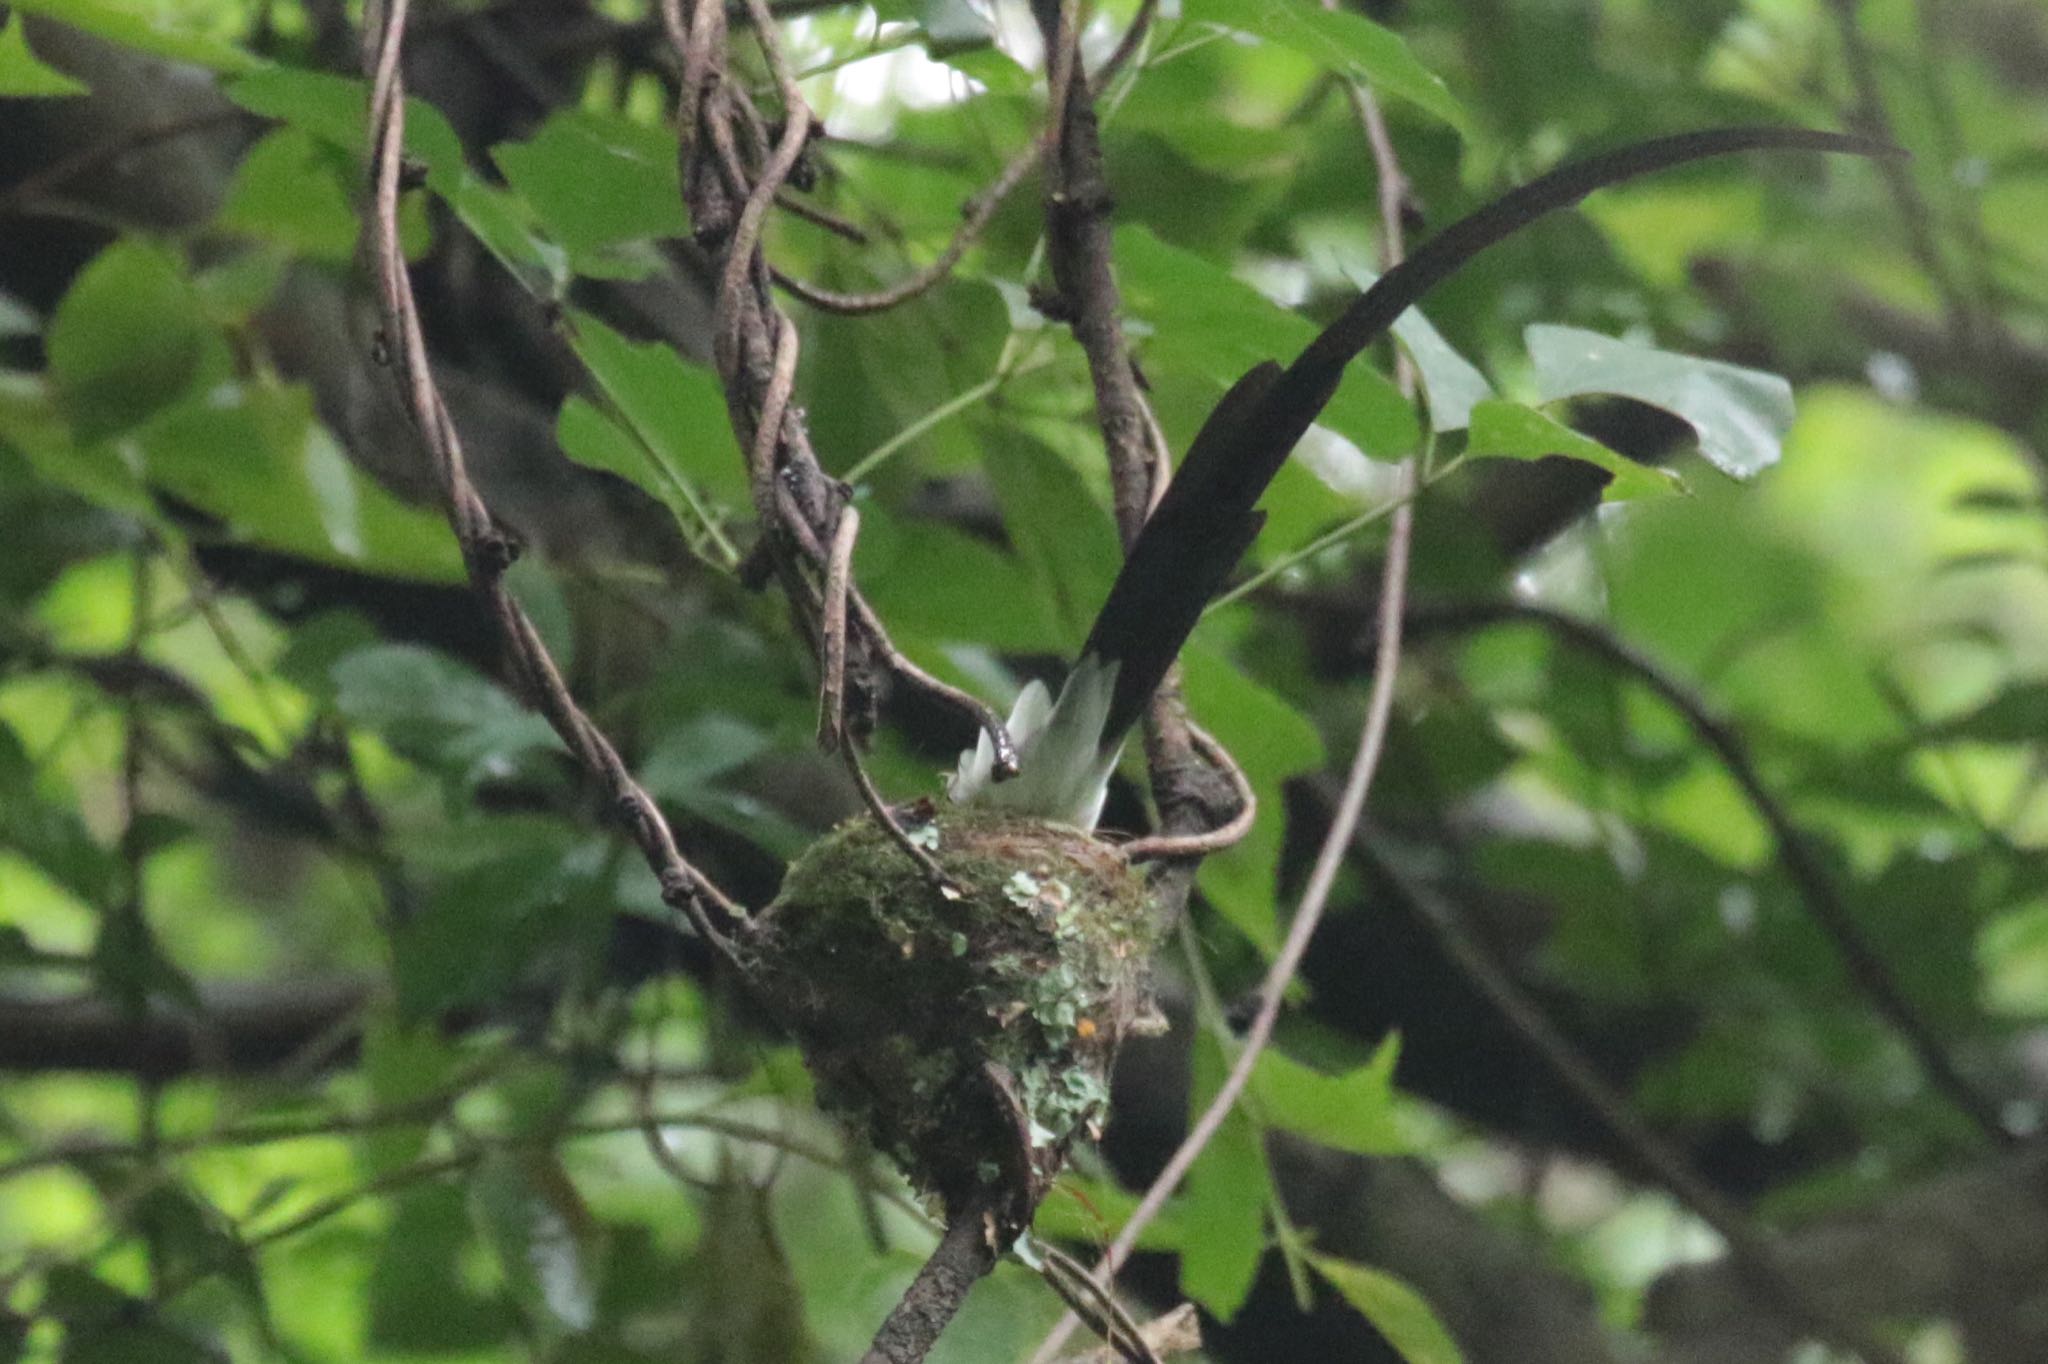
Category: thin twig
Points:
column 831, row 222
column 1078, row 248
column 965, row 1255
column 975, row 217
column 1753, row 1249
column 832, row 689
column 884, row 816
column 1964, row 321
column 1322, row 879
column 1127, row 46
column 485, row 549
column 1224, row 835
column 731, row 178
column 1816, row 888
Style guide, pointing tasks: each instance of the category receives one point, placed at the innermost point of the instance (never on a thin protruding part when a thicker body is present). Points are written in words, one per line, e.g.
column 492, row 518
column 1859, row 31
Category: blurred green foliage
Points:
column 533, row 1135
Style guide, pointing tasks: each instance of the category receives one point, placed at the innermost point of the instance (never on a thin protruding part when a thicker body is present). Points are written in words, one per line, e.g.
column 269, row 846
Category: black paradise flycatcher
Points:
column 1068, row 747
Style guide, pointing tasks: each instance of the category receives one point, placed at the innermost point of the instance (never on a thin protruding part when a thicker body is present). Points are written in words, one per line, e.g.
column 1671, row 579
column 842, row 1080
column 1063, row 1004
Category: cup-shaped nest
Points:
column 967, row 1027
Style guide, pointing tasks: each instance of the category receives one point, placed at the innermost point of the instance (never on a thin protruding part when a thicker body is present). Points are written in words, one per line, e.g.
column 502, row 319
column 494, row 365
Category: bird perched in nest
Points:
column 1068, row 746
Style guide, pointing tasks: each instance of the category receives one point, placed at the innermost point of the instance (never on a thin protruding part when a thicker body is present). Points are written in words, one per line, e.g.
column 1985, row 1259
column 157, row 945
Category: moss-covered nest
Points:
column 968, row 1031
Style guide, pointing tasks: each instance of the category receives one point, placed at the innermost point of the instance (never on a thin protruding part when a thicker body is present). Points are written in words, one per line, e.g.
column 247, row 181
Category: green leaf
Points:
column 1452, row 384
column 1395, row 1310
column 1095, row 1210
column 403, row 1067
column 120, row 21
column 438, row 711
column 489, row 919
column 1505, row 430
column 1062, row 534
column 23, row 75
column 1341, row 42
column 1207, row 320
column 256, row 459
column 953, row 26
column 291, row 190
column 129, row 339
column 2012, row 951
column 595, row 181
column 420, row 1298
column 52, row 836
column 1350, row 1112
column 2017, row 715
column 1271, row 741
column 685, row 769
column 588, row 435
column 980, row 598
column 674, row 408
column 1223, row 1209
column 699, row 752
column 335, row 110
column 1740, row 415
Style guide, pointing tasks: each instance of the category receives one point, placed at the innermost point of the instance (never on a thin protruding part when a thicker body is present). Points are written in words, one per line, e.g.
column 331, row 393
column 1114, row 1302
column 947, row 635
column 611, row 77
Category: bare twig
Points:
column 1178, row 1332
column 831, row 222
column 965, row 1255
column 1754, row 1250
column 884, row 816
column 1964, row 320
column 975, row 216
column 1329, row 858
column 734, row 165
column 1127, row 46
column 1078, row 247
column 1816, row 889
column 1077, row 206
column 832, row 688
column 1224, row 835
column 486, row 550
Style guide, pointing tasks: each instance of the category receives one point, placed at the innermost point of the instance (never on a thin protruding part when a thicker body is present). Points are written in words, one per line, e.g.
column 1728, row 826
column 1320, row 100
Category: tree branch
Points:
column 486, row 549
column 1815, row 887
column 964, row 1256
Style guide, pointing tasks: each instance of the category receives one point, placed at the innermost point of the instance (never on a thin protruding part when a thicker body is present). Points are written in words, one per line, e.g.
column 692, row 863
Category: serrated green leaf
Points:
column 1505, row 430
column 1341, row 42
column 23, row 75
column 1740, row 415
column 1350, row 1112
column 1396, row 1311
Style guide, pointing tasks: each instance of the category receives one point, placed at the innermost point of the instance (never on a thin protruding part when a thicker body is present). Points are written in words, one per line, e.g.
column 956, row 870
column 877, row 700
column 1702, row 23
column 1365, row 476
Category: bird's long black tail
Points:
column 1206, row 520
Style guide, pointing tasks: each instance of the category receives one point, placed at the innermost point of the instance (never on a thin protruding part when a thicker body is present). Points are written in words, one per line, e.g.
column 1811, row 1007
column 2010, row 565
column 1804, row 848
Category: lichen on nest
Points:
column 966, row 1030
